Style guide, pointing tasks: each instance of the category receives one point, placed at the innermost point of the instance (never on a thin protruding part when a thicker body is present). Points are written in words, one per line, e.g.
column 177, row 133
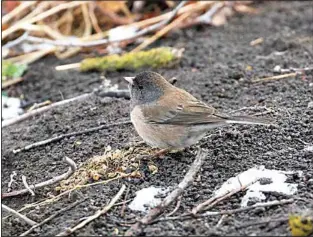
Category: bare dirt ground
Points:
column 215, row 68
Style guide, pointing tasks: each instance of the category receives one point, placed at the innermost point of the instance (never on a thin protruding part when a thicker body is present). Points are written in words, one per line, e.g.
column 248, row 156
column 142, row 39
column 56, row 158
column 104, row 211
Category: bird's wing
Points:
column 181, row 109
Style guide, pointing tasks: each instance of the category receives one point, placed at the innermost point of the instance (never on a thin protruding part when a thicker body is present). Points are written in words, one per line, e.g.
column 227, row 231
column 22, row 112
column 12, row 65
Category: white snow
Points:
column 256, row 191
column 119, row 33
column 27, row 47
column 10, row 107
column 122, row 32
column 309, row 148
column 145, row 198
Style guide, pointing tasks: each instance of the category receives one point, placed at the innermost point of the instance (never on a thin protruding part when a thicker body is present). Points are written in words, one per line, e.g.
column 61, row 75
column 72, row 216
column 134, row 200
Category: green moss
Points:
column 12, row 70
column 154, row 58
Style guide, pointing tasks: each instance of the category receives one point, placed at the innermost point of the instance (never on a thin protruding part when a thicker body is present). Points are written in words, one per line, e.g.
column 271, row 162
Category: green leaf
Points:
column 11, row 70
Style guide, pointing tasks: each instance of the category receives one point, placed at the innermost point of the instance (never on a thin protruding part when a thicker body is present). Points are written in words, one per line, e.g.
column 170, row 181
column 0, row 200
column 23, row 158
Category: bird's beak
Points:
column 129, row 79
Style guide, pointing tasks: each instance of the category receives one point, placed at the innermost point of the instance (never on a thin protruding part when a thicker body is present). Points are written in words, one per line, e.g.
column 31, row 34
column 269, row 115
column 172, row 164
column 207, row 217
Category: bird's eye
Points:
column 140, row 87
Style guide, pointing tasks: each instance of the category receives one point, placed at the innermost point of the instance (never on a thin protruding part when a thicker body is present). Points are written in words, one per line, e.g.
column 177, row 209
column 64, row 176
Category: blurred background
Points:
column 112, row 36
column 32, row 30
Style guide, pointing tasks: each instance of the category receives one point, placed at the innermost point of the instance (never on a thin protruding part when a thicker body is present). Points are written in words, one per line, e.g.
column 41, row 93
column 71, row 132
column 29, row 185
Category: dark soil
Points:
column 214, row 69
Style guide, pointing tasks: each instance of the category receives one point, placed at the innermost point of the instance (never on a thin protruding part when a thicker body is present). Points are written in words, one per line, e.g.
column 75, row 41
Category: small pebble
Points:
column 277, row 68
column 310, row 105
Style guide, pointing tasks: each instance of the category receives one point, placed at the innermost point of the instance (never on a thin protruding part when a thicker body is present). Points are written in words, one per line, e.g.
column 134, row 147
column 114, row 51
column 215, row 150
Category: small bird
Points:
column 170, row 118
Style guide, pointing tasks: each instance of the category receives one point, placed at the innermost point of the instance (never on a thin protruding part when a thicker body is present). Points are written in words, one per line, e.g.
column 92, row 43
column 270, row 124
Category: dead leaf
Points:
column 249, row 68
column 256, row 41
column 152, row 168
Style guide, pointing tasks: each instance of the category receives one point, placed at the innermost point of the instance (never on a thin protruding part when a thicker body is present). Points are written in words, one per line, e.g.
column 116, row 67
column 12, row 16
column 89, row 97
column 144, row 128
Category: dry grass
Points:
column 88, row 21
column 109, row 165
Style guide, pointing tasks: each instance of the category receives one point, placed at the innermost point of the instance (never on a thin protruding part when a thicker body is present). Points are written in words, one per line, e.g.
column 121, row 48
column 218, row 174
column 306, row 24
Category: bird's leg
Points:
column 157, row 154
column 160, row 153
column 174, row 151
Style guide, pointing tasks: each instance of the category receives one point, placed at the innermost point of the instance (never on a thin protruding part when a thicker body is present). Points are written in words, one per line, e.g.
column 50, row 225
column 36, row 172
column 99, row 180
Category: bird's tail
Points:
column 248, row 120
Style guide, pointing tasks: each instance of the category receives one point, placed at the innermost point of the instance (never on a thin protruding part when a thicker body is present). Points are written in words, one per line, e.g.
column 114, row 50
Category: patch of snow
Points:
column 309, row 148
column 277, row 68
column 11, row 107
column 276, row 183
column 122, row 32
column 27, row 47
column 114, row 49
column 145, row 198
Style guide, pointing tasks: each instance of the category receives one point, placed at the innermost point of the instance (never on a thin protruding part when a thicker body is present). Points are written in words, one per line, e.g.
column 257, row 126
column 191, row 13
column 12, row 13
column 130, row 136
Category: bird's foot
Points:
column 156, row 155
column 175, row 151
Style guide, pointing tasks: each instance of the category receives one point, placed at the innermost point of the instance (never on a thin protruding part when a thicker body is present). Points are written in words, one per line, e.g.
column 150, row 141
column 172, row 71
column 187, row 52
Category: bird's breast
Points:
column 161, row 135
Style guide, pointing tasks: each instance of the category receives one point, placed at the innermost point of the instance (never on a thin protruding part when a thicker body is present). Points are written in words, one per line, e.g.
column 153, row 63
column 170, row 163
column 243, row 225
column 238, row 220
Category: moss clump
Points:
column 154, row 58
column 11, row 70
column 301, row 225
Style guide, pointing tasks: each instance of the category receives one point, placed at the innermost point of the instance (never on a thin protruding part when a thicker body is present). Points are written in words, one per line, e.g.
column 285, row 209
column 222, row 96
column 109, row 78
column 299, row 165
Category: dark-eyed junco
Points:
column 170, row 118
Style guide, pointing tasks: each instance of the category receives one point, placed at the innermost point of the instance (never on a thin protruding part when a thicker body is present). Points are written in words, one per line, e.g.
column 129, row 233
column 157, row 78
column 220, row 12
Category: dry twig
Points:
column 67, row 66
column 162, row 32
column 188, row 8
column 71, row 43
column 42, row 110
column 93, row 17
column 227, row 212
column 19, row 25
column 88, row 25
column 234, row 211
column 124, row 202
column 71, row 170
column 39, row 105
column 60, row 137
column 17, row 10
column 220, row 221
column 17, row 41
column 33, row 22
column 256, row 41
column 293, row 74
column 164, row 22
column 52, row 216
column 155, row 212
column 218, row 198
column 19, row 215
column 11, row 82
column 11, row 180
column 207, row 17
column 32, row 56
column 102, row 93
column 176, row 207
column 27, row 186
column 41, row 7
column 56, row 198
column 96, row 215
